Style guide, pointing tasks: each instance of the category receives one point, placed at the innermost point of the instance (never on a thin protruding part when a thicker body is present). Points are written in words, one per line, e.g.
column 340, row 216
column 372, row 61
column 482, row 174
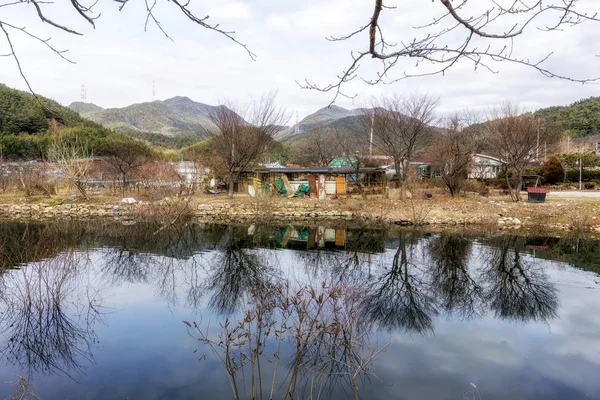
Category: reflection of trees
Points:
column 454, row 288
column 517, row 288
column 24, row 242
column 48, row 316
column 399, row 298
column 235, row 272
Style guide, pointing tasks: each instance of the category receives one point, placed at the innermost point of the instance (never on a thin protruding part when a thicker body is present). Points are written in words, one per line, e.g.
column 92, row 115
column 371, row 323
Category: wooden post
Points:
column 312, row 184
column 321, row 187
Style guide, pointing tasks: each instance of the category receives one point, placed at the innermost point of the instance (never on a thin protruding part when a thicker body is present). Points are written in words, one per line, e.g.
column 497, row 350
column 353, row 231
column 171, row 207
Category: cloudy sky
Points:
column 118, row 61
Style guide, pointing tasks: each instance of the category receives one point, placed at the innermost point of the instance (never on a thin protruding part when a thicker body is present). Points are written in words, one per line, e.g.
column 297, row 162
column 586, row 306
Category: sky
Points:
column 119, row 60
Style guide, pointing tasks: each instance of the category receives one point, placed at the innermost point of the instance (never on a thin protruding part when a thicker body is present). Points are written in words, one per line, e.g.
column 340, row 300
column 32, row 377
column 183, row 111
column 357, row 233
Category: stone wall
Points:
column 43, row 212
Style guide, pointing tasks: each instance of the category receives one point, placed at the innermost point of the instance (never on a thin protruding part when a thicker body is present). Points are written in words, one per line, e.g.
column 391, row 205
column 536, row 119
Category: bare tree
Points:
column 239, row 142
column 479, row 32
column 400, row 124
column 73, row 159
column 515, row 138
column 453, row 152
column 86, row 10
column 318, row 146
column 124, row 156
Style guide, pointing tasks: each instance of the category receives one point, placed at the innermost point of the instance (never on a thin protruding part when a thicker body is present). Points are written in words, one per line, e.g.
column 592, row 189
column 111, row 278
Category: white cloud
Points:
column 118, row 60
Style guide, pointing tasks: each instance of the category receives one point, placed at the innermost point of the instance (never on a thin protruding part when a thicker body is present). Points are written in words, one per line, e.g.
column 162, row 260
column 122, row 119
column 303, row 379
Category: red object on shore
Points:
column 538, row 190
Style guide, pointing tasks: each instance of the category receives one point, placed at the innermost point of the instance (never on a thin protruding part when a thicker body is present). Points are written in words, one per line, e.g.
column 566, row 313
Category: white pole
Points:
column 371, row 137
column 580, row 172
column 537, row 147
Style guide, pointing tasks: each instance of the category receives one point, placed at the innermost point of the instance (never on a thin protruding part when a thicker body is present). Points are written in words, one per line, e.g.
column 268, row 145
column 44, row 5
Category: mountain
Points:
column 320, row 118
column 173, row 117
column 84, row 108
column 579, row 119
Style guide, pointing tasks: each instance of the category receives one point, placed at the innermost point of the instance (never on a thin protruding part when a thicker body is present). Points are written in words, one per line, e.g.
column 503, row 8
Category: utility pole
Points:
column 537, row 147
column 580, row 171
column 371, row 137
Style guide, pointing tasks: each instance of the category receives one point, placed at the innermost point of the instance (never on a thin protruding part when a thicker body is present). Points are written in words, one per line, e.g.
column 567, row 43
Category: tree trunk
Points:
column 230, row 186
column 518, row 188
column 399, row 166
column 510, row 188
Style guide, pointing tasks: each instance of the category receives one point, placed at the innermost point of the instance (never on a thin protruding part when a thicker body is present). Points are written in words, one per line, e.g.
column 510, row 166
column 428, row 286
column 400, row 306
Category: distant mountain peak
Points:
column 82, row 107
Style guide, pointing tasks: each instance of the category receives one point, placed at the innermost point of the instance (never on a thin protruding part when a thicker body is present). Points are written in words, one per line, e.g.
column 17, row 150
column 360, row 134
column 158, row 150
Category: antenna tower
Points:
column 297, row 129
column 83, row 92
column 153, row 90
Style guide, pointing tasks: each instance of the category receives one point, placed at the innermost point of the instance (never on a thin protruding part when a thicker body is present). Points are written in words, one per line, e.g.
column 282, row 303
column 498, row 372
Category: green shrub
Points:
column 587, row 175
column 552, row 171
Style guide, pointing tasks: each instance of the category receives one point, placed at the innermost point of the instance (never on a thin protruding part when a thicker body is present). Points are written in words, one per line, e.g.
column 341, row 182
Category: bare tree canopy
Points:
column 399, row 126
column 243, row 133
column 516, row 138
column 452, row 154
column 479, row 32
column 86, row 10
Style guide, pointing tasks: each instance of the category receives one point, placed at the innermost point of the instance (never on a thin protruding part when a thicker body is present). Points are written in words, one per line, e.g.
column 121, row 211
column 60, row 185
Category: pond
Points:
column 104, row 310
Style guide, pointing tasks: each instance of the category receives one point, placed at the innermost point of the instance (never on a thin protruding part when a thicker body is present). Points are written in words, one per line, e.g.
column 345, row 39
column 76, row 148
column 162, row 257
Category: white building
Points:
column 484, row 167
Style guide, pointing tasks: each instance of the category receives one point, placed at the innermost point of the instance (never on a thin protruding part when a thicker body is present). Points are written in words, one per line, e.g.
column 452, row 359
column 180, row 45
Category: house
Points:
column 337, row 180
column 484, row 167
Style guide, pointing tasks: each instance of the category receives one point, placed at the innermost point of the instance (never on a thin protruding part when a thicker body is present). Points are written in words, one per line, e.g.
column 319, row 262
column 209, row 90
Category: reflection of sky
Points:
column 145, row 352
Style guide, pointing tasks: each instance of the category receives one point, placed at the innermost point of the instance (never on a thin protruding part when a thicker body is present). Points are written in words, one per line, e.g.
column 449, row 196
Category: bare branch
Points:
column 436, row 42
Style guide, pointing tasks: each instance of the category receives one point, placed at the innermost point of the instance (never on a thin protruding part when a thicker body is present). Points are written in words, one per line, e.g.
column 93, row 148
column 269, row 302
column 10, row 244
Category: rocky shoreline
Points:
column 288, row 212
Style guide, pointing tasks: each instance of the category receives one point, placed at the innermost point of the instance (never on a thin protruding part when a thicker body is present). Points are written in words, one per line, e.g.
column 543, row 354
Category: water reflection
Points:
column 455, row 288
column 400, row 297
column 48, row 316
column 234, row 272
column 329, row 288
column 517, row 287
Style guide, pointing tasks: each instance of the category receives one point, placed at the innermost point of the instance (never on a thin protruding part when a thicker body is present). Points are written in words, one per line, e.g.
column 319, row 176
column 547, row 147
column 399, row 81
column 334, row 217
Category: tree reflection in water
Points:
column 48, row 316
column 396, row 281
column 517, row 288
column 455, row 289
column 400, row 298
column 234, row 272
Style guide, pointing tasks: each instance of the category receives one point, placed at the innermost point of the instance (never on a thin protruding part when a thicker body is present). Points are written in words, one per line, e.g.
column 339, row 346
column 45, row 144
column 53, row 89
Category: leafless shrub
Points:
column 324, row 328
column 23, row 390
column 36, row 181
column 580, row 220
column 475, row 186
column 73, row 159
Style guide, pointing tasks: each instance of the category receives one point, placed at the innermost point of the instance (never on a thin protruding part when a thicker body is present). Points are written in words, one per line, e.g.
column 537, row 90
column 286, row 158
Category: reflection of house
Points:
column 484, row 167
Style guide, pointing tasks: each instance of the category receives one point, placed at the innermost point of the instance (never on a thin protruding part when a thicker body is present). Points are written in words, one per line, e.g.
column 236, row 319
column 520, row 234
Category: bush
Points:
column 552, row 171
column 35, row 181
column 480, row 188
column 587, row 175
column 589, row 185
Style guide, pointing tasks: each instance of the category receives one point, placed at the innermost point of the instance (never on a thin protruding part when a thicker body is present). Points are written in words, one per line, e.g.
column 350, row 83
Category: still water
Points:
column 106, row 311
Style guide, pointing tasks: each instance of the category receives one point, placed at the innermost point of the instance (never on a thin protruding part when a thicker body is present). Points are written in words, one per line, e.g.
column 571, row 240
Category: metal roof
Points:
column 315, row 170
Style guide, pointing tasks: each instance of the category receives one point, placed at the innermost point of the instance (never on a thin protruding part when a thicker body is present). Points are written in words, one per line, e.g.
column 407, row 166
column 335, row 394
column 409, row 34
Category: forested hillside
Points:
column 28, row 124
column 579, row 119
